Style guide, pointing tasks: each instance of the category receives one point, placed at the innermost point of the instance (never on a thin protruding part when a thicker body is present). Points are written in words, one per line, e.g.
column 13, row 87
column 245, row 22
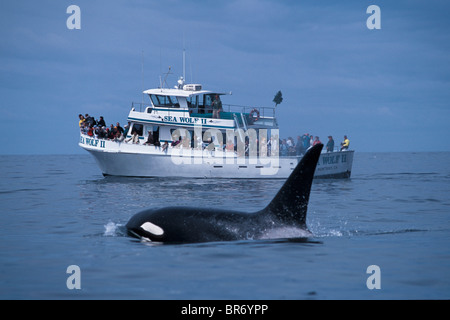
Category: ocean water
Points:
column 58, row 211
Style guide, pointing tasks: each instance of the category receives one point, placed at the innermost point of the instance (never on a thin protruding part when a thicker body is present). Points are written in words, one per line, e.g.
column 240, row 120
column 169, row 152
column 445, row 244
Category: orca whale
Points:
column 189, row 225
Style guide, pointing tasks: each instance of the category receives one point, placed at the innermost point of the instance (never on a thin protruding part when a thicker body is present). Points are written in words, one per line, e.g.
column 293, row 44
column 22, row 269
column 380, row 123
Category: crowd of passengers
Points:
column 289, row 147
column 286, row 147
column 98, row 129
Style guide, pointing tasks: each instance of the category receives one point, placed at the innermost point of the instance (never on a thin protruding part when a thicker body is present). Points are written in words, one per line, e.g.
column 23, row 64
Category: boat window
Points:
column 199, row 107
column 139, row 128
column 205, row 104
column 192, row 102
column 201, row 103
column 209, row 98
column 147, row 129
column 187, row 136
column 164, row 101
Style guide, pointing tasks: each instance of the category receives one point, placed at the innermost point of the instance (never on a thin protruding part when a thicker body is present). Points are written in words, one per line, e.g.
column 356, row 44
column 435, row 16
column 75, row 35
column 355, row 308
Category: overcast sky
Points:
column 387, row 89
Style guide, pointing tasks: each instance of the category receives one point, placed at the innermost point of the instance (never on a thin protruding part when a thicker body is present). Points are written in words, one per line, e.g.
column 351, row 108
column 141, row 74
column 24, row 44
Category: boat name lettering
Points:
column 184, row 120
column 93, row 142
column 334, row 159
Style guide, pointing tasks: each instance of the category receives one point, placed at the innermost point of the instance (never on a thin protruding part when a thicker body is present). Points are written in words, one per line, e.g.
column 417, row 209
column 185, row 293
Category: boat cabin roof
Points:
column 180, row 92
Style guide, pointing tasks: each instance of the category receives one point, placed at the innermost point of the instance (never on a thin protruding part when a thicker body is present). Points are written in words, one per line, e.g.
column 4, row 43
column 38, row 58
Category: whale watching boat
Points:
column 187, row 131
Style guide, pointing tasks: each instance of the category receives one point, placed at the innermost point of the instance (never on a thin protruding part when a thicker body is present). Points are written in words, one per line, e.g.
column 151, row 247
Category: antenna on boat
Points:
column 165, row 78
column 190, row 67
column 184, row 57
column 160, row 67
column 184, row 63
column 142, row 78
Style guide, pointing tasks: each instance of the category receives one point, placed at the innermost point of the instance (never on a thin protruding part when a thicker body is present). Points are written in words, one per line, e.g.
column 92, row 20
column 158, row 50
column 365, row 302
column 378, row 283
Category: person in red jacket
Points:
column 316, row 141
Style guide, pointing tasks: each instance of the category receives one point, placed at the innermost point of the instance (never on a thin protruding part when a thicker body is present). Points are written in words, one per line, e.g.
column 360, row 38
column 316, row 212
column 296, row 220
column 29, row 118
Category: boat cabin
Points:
column 188, row 106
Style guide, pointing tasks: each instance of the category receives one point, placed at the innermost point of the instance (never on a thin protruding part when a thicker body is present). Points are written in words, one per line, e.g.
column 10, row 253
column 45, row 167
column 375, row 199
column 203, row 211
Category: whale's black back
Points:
column 186, row 224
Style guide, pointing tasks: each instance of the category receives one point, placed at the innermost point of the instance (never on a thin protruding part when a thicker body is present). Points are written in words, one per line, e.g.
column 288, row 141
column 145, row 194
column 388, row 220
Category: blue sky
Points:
column 387, row 89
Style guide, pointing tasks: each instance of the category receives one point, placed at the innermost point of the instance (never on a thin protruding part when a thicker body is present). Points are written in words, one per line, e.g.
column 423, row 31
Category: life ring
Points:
column 254, row 110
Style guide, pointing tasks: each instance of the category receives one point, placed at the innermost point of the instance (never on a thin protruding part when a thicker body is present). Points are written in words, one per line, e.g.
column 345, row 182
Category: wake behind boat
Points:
column 188, row 132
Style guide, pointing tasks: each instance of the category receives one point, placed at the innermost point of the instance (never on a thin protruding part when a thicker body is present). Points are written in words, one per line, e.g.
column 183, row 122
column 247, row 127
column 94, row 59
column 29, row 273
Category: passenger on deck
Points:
column 306, row 140
column 101, row 122
column 90, row 132
column 127, row 128
column 330, row 144
column 177, row 142
column 89, row 120
column 102, row 133
column 150, row 140
column 345, row 144
column 291, row 146
column 97, row 132
column 134, row 138
column 82, row 119
column 82, row 127
column 316, row 141
column 274, row 144
column 230, row 146
column 289, row 142
column 119, row 137
column 165, row 146
column 217, row 107
column 119, row 128
column 111, row 133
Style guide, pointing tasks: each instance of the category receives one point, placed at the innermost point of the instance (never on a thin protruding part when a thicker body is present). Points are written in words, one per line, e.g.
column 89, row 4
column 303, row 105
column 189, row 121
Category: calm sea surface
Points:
column 58, row 211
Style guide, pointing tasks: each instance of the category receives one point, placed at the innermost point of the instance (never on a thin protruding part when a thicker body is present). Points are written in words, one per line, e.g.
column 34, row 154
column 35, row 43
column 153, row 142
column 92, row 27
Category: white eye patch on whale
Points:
column 190, row 224
column 152, row 229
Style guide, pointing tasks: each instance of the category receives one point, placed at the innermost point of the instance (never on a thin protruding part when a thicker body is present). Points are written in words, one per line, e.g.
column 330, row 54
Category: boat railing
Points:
column 246, row 115
column 139, row 105
column 262, row 112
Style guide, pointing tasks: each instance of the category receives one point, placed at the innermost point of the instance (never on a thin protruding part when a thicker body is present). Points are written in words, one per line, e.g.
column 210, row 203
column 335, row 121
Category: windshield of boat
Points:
column 202, row 103
column 164, row 101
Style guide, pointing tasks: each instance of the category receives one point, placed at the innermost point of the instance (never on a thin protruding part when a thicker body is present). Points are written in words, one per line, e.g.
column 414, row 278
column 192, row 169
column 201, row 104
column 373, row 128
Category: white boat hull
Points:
column 130, row 160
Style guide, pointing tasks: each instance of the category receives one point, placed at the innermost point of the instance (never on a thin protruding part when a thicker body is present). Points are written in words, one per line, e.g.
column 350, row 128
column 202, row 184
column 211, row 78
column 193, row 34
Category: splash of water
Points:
column 112, row 229
column 286, row 232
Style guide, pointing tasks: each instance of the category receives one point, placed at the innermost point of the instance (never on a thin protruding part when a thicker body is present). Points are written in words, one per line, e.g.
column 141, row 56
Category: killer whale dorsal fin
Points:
column 291, row 202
